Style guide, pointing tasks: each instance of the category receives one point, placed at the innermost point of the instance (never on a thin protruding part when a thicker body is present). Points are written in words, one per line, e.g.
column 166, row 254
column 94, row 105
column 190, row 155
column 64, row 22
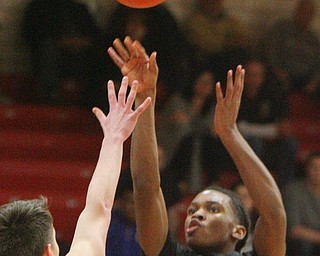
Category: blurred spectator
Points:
column 177, row 214
column 122, row 235
column 172, row 120
column 216, row 36
column 66, row 51
column 263, row 120
column 200, row 157
column 157, row 29
column 240, row 189
column 292, row 49
column 181, row 9
column 172, row 190
column 302, row 202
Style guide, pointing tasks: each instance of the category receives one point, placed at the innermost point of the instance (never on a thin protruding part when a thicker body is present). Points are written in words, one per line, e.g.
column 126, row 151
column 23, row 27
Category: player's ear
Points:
column 48, row 250
column 239, row 232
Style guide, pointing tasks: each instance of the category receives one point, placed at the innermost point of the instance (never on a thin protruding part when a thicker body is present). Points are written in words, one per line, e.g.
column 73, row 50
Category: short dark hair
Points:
column 239, row 209
column 26, row 227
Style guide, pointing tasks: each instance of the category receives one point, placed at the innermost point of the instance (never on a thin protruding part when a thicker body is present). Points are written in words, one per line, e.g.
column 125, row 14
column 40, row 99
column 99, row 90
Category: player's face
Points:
column 210, row 221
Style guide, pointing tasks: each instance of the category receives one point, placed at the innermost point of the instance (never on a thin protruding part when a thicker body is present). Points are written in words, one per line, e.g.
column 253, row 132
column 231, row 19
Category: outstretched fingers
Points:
column 121, row 49
column 99, row 115
column 140, row 50
column 153, row 66
column 239, row 83
column 229, row 90
column 131, row 98
column 132, row 94
column 234, row 86
column 111, row 95
column 128, row 42
column 119, row 53
column 132, row 47
column 142, row 107
column 117, row 60
column 123, row 91
column 219, row 94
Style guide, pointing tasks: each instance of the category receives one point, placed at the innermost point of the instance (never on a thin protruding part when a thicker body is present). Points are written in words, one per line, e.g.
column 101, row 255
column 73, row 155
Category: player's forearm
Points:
column 304, row 233
column 146, row 180
column 144, row 149
column 102, row 187
column 260, row 183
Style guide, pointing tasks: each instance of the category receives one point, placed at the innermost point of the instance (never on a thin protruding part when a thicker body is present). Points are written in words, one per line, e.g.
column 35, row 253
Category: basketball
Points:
column 140, row 3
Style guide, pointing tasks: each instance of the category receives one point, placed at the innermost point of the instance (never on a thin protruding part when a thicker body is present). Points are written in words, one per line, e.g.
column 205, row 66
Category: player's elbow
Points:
column 277, row 217
column 100, row 207
column 150, row 248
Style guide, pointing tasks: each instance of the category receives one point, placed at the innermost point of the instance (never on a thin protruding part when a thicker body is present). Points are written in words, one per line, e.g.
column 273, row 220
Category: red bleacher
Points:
column 20, row 87
column 20, row 144
column 50, row 151
column 46, row 176
column 47, row 118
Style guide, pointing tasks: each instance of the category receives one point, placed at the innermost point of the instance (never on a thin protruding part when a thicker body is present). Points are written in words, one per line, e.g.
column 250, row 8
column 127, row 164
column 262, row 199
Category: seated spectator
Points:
column 199, row 157
column 177, row 214
column 179, row 114
column 302, row 202
column 172, row 190
column 217, row 36
column 240, row 189
column 172, row 120
column 66, row 52
column 263, row 120
column 292, row 49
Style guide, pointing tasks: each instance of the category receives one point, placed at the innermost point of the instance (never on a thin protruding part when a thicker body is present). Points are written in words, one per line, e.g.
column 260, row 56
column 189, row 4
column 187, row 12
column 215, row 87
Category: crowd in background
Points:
column 71, row 66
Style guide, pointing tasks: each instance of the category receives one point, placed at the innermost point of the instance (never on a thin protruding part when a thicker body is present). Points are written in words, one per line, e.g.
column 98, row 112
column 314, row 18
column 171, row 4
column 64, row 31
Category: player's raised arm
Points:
column 92, row 227
column 270, row 231
column 151, row 215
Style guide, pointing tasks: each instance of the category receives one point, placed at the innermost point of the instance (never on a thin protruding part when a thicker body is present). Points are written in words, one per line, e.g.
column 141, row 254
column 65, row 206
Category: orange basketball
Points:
column 140, row 3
